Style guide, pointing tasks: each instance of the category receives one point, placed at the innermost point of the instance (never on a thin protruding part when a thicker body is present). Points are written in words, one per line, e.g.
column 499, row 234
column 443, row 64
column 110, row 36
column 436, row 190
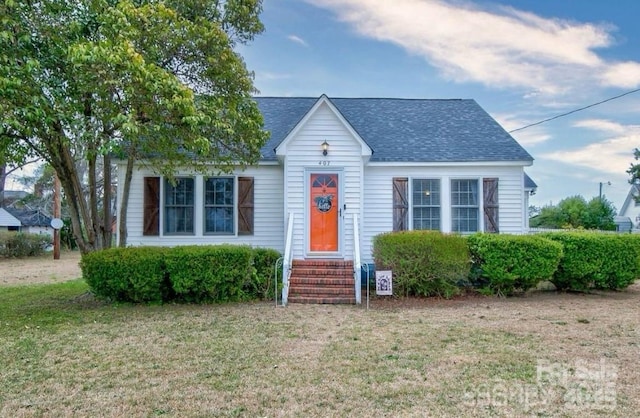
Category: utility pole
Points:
column 600, row 194
column 56, row 214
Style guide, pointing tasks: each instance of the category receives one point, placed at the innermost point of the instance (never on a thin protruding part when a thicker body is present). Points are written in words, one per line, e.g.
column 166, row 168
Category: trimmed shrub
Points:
column 21, row 244
column 506, row 264
column 192, row 274
column 135, row 274
column 219, row 273
column 424, row 263
column 596, row 261
column 264, row 262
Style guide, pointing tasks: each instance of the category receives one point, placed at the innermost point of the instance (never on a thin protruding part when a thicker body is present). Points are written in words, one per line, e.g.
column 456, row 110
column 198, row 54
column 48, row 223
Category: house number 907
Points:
column 324, row 163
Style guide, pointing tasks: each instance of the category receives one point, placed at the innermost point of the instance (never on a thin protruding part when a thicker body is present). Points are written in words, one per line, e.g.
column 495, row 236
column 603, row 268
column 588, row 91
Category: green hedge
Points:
column 135, row 274
column 20, row 244
column 596, row 261
column 424, row 263
column 505, row 264
column 185, row 274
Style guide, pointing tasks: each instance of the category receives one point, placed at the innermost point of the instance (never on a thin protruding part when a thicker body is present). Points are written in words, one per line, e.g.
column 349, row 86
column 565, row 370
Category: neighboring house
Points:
column 333, row 167
column 631, row 206
column 8, row 222
column 32, row 221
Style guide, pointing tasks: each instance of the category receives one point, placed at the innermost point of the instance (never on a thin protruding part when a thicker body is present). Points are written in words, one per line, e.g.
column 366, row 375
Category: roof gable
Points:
column 323, row 100
column 403, row 130
column 30, row 217
column 634, row 191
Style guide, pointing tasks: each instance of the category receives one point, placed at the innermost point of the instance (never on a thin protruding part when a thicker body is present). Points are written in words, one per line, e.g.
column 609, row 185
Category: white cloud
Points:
column 610, row 156
column 298, row 40
column 527, row 137
column 500, row 47
column 604, row 125
column 624, row 74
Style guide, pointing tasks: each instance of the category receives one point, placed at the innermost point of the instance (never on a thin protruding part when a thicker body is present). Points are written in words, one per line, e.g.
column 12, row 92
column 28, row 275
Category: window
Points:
column 218, row 205
column 464, row 205
column 178, row 206
column 426, row 204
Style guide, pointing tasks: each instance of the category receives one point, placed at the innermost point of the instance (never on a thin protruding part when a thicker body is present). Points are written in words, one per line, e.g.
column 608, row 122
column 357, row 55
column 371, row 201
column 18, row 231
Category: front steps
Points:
column 322, row 281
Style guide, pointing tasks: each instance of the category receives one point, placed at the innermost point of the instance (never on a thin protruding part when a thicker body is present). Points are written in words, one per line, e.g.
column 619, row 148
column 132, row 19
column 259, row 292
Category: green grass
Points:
column 62, row 353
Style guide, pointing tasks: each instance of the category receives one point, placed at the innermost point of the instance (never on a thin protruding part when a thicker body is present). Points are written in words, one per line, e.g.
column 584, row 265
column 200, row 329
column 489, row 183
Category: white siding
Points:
column 268, row 211
column 303, row 155
column 378, row 196
column 7, row 219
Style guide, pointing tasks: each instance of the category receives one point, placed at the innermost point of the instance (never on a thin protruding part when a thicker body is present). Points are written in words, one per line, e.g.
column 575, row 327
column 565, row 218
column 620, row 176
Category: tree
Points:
column 634, row 169
column 84, row 81
column 575, row 212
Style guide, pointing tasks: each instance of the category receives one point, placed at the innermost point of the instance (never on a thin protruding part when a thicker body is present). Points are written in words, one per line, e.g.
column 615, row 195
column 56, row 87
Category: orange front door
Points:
column 323, row 212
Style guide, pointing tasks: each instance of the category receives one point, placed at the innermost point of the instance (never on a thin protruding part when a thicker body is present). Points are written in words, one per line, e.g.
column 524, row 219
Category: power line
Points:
column 575, row 110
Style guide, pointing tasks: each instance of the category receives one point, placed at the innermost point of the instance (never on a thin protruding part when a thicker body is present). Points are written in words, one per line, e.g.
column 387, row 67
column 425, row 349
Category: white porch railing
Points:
column 286, row 263
column 357, row 264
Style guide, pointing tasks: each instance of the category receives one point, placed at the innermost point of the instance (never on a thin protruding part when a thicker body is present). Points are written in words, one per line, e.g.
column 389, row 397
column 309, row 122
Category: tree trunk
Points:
column 3, row 176
column 106, row 203
column 126, row 187
column 3, row 179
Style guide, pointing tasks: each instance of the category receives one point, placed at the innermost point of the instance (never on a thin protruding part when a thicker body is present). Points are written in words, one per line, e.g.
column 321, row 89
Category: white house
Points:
column 32, row 221
column 337, row 172
column 8, row 222
column 630, row 209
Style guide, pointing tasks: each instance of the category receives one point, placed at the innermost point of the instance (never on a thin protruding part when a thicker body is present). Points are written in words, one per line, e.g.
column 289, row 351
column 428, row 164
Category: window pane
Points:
column 426, row 192
column 426, row 218
column 426, row 204
column 178, row 220
column 219, row 220
column 464, row 205
column 464, row 219
column 178, row 213
column 219, row 208
column 464, row 192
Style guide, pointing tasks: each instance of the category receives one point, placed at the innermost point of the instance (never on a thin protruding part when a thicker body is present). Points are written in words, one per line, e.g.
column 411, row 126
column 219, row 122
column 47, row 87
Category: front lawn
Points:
column 64, row 354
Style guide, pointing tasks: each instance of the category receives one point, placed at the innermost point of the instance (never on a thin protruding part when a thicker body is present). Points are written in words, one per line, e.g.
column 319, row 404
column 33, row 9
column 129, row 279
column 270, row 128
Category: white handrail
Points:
column 286, row 264
column 356, row 259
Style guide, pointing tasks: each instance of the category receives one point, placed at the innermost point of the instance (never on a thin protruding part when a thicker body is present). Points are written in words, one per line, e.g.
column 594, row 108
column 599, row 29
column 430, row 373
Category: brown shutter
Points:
column 245, row 205
column 151, row 221
column 490, row 187
column 400, row 204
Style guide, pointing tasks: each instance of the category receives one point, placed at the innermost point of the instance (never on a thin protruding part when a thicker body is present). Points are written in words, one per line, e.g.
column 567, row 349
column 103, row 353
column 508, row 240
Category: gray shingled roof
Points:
column 529, row 183
column 397, row 130
column 30, row 217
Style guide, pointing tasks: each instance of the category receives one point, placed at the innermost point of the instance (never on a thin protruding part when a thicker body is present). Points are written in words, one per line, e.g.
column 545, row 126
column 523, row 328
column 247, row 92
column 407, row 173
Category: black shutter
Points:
column 151, row 221
column 245, row 205
column 490, row 191
column 400, row 204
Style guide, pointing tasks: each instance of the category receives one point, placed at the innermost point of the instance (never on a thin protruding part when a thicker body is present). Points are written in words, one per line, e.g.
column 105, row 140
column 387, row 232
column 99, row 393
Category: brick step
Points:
column 323, row 263
column 321, row 272
column 321, row 281
column 328, row 291
column 332, row 300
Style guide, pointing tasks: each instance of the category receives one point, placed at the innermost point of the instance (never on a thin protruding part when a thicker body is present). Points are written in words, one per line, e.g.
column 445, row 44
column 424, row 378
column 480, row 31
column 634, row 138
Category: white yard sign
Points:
column 384, row 283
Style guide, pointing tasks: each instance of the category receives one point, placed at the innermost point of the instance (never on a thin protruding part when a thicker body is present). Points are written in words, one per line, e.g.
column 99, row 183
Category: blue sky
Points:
column 522, row 61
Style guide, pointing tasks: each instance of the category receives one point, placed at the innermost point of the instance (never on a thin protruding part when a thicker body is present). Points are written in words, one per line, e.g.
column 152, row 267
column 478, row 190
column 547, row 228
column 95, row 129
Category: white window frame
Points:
column 414, row 205
column 477, row 206
column 166, row 187
column 233, row 206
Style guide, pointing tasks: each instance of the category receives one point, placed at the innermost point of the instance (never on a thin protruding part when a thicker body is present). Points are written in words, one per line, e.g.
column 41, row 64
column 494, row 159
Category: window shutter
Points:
column 490, row 187
column 151, row 221
column 245, row 205
column 400, row 204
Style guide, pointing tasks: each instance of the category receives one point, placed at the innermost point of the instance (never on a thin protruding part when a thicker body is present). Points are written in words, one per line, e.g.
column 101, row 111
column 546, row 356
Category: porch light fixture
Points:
column 325, row 148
